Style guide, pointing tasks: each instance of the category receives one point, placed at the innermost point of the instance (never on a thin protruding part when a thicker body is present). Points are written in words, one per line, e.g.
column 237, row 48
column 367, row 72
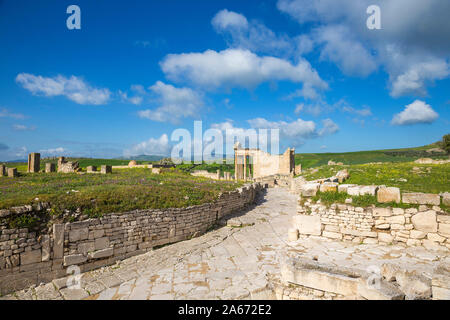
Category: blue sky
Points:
column 137, row 70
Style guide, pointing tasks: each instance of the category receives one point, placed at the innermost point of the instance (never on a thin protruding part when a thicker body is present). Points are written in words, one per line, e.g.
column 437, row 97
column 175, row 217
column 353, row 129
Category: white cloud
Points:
column 175, row 103
column 72, row 88
column 412, row 47
column 53, row 151
column 21, row 127
column 238, row 68
column 5, row 113
column 329, row 127
column 416, row 112
column 160, row 147
column 225, row 19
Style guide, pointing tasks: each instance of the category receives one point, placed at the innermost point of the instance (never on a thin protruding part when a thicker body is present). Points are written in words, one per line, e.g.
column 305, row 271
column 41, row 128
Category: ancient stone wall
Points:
column 428, row 227
column 28, row 258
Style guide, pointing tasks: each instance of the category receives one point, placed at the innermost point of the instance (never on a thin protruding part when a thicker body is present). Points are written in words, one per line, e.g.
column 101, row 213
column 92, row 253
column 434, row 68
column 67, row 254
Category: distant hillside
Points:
column 143, row 157
column 310, row 160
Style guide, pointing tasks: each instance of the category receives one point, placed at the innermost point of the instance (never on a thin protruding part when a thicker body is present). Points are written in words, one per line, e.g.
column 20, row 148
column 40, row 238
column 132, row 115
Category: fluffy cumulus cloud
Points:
column 136, row 96
column 238, row 68
column 73, row 88
column 412, row 46
column 414, row 113
column 159, row 146
column 174, row 103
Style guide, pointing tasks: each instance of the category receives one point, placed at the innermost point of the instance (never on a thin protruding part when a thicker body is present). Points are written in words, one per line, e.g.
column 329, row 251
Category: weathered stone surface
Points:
column 415, row 286
column 421, row 198
column 3, row 170
column 425, row 221
column 435, row 237
column 416, row 234
column 328, row 187
column 12, row 172
column 78, row 234
column 382, row 212
column 310, row 189
column 308, row 224
column 34, row 162
column 74, row 259
column 101, row 243
column 46, row 253
column 30, row 257
column 385, row 237
column 344, row 187
column 444, row 228
column 106, row 169
column 380, row 290
column 293, row 234
column 108, row 252
column 388, row 194
column 332, row 235
column 446, row 198
column 342, row 175
column 58, row 241
column 353, row 191
column 396, row 219
column 50, row 167
column 91, row 169
column 370, row 190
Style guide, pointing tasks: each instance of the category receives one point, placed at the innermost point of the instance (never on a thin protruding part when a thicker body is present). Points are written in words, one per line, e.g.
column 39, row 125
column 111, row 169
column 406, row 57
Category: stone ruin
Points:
column 34, row 162
column 68, row 166
column 8, row 172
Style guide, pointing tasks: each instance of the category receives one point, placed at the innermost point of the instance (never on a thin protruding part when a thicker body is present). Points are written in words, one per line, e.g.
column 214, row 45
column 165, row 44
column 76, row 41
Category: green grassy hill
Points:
column 311, row 160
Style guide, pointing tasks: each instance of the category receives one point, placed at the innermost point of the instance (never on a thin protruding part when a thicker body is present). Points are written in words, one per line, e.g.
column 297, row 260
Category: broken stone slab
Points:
column 328, row 278
column 344, row 187
column 342, row 175
column 74, row 259
column 91, row 169
column 293, row 234
column 30, row 257
column 370, row 190
column 328, row 187
column 425, row 221
column 388, row 194
column 3, row 170
column 378, row 290
column 445, row 198
column 421, row 198
column 309, row 225
column 104, row 253
column 310, row 189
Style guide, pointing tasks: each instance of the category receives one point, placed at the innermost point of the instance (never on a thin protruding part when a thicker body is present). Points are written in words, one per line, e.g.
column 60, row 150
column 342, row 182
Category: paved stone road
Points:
column 228, row 263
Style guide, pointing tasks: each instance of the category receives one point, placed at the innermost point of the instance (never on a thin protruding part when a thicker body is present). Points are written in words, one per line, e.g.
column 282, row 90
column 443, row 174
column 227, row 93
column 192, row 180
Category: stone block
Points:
column 385, row 237
column 421, row 198
column 104, row 253
column 370, row 190
column 382, row 212
column 91, row 169
column 45, row 242
column 74, row 259
column 328, row 187
column 106, row 169
column 309, row 225
column 445, row 198
column 396, row 220
column 310, row 189
column 3, row 170
column 101, row 243
column 50, row 167
column 344, row 187
column 435, row 237
column 78, row 234
column 388, row 194
column 353, row 191
column 416, row 234
column 12, row 172
column 293, row 234
column 444, row 228
column 86, row 247
column 332, row 235
column 58, row 241
column 380, row 290
column 34, row 162
column 30, row 257
column 425, row 221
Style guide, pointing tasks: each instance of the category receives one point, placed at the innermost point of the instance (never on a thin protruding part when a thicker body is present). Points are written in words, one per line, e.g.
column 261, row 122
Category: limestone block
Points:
column 385, row 237
column 380, row 290
column 371, row 190
column 435, row 237
column 106, row 169
column 416, row 234
column 413, row 242
column 12, row 172
column 108, row 252
column 444, row 228
column 309, row 189
column 86, row 247
column 425, row 221
column 388, row 194
column 74, row 259
column 353, row 191
column 421, row 198
column 50, row 167
column 308, row 224
column 91, row 169
column 156, row 170
column 45, row 242
column 30, row 257
column 58, row 241
column 3, row 170
column 342, row 175
column 445, row 198
column 344, row 187
column 293, row 234
column 382, row 212
column 101, row 243
column 332, row 235
column 440, row 293
column 34, row 162
column 328, row 187
column 78, row 234
column 396, row 220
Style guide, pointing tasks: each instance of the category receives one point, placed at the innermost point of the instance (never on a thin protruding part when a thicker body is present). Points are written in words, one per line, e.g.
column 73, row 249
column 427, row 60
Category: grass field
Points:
column 123, row 190
column 430, row 178
column 312, row 160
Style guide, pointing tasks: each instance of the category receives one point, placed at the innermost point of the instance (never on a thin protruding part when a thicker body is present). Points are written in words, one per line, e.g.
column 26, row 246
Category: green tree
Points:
column 446, row 143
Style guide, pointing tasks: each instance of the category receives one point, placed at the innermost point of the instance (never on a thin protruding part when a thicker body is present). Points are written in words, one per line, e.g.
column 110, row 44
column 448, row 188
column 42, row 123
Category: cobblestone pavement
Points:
column 230, row 262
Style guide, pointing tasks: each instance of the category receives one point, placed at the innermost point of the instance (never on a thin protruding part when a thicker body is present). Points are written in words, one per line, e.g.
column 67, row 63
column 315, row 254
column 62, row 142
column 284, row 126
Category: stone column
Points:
column 106, row 169
column 34, row 162
column 50, row 167
column 12, row 172
column 218, row 174
column 2, row 170
column 245, row 167
column 235, row 164
column 58, row 241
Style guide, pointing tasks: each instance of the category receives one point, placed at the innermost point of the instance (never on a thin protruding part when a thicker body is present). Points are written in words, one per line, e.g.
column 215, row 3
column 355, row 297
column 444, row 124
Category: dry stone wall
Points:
column 28, row 258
